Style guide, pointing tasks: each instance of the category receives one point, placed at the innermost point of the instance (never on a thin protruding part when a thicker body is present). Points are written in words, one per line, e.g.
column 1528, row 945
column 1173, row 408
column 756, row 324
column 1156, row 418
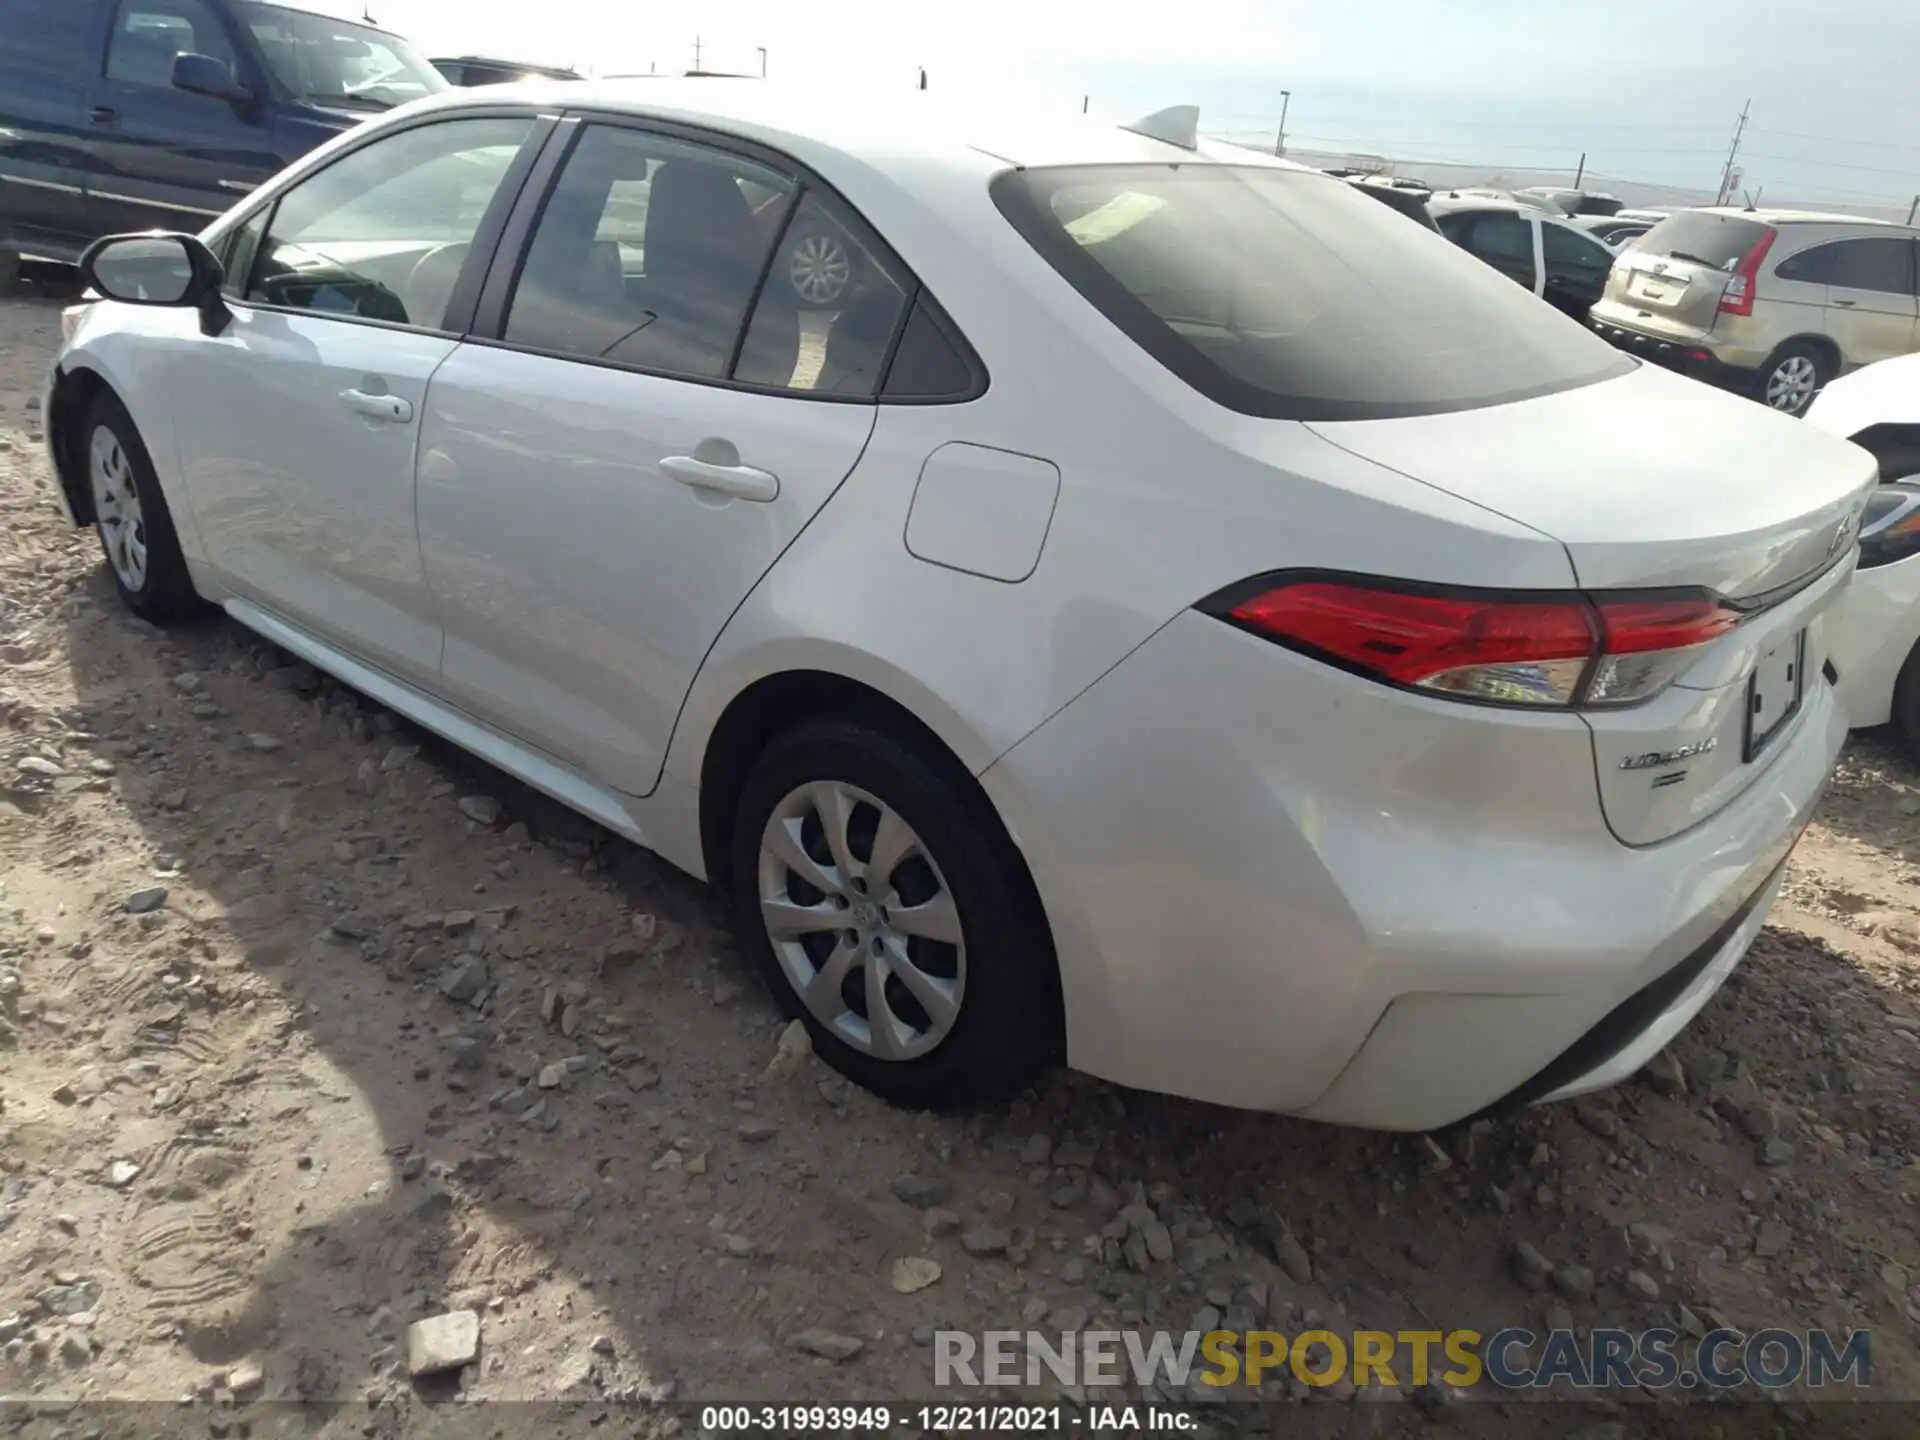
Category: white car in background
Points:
column 1875, row 634
column 1169, row 611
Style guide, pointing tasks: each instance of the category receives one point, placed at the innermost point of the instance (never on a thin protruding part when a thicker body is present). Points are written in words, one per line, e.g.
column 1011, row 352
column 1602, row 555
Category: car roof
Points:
column 351, row 13
column 1799, row 217
column 870, row 126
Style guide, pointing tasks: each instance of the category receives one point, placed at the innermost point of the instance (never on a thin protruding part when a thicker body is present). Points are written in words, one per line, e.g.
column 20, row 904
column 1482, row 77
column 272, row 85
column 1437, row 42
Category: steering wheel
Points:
column 428, row 288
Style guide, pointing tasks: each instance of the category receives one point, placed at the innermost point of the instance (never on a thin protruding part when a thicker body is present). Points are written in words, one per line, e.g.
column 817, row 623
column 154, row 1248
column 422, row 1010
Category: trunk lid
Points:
column 1670, row 280
column 1653, row 481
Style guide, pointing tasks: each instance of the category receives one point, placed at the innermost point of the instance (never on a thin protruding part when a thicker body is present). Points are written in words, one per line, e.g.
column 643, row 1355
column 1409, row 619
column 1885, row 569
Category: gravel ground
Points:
column 311, row 1029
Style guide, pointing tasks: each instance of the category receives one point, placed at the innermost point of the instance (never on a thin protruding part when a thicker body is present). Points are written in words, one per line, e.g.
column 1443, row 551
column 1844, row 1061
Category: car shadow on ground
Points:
column 637, row 1236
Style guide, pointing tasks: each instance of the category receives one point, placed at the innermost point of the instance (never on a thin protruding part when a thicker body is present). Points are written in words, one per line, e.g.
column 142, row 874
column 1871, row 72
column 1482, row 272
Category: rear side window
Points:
column 1282, row 293
column 1702, row 237
column 1885, row 265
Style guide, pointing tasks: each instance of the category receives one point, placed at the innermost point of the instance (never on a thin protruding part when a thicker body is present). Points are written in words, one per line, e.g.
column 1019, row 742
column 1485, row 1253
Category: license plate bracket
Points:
column 1774, row 692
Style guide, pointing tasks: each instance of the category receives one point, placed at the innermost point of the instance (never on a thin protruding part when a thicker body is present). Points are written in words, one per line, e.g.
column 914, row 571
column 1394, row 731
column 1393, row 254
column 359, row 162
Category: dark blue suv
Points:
column 121, row 115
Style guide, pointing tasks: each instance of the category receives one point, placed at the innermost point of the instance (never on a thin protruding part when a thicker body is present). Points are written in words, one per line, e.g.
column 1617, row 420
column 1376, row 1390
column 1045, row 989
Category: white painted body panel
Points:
column 305, row 505
column 1876, row 626
column 1873, row 632
column 581, row 586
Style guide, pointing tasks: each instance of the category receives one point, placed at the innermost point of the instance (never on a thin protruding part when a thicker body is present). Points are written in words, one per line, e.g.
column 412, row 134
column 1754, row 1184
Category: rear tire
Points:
column 968, row 1018
column 1794, row 374
column 136, row 531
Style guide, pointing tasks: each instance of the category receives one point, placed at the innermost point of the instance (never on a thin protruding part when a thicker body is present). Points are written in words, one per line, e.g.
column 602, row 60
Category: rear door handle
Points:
column 1845, row 304
column 391, row 408
column 104, row 115
column 742, row 481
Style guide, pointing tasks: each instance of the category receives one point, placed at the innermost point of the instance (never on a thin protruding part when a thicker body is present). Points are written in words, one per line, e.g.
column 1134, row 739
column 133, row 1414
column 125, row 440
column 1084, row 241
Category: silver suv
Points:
column 1774, row 303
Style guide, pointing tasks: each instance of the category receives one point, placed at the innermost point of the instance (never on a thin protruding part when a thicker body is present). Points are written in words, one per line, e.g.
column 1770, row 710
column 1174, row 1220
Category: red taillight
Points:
column 1513, row 648
column 1737, row 298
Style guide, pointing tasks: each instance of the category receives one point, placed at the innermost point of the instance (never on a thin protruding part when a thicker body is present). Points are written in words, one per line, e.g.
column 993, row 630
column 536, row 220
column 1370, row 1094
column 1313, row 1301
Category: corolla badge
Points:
column 1654, row 759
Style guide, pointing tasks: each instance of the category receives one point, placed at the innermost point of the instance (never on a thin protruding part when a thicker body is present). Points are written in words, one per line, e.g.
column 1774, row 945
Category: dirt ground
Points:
column 400, row 1038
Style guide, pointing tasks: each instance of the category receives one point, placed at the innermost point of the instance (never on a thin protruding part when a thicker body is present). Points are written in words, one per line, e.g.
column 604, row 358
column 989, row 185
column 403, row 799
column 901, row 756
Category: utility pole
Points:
column 696, row 52
column 1580, row 174
column 763, row 60
column 923, row 77
column 1085, row 98
column 1280, row 140
column 1913, row 207
column 1733, row 151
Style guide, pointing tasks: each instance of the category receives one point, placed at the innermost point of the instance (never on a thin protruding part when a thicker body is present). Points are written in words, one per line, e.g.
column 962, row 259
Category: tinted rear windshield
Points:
column 1720, row 241
column 1282, row 293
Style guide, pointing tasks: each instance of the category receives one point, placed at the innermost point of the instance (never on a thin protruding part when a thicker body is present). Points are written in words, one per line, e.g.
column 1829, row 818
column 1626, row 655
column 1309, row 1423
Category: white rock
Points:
column 446, row 1342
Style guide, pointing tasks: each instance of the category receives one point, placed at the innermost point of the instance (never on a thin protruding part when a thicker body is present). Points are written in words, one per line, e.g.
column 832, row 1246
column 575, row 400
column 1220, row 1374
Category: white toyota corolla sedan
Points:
column 1166, row 612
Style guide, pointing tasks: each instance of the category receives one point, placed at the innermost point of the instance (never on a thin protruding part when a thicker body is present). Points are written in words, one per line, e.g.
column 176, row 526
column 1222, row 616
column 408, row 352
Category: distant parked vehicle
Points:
column 1409, row 197
column 1572, row 201
column 1547, row 253
column 1622, row 229
column 160, row 114
column 467, row 70
column 1874, row 629
column 1774, row 303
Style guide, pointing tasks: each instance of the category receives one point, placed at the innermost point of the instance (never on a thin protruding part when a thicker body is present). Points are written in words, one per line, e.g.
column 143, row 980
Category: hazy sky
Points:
column 1650, row 89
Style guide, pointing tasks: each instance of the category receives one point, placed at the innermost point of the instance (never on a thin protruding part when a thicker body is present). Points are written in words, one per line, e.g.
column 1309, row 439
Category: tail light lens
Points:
column 1890, row 530
column 1496, row 647
column 1737, row 298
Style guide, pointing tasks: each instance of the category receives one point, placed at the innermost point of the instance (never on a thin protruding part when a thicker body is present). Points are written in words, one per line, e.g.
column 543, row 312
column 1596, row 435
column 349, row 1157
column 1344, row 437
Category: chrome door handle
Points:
column 379, row 407
column 741, row 481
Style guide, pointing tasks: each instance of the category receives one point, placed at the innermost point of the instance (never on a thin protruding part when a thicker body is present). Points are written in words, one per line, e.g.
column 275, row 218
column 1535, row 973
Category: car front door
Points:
column 1575, row 267
column 1870, row 311
column 164, row 158
column 46, row 53
column 297, row 425
column 606, row 478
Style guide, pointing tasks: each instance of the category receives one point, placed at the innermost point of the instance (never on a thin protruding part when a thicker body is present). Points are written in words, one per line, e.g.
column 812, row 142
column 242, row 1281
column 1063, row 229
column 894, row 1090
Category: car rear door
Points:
column 1870, row 309
column 163, row 158
column 638, row 428
column 45, row 58
column 1505, row 239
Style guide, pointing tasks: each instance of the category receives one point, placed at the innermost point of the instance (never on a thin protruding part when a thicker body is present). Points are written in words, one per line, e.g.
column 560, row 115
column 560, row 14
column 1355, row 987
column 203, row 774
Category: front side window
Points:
column 1500, row 237
column 1281, row 293
column 383, row 233
column 149, row 34
column 335, row 62
column 1882, row 265
column 1567, row 250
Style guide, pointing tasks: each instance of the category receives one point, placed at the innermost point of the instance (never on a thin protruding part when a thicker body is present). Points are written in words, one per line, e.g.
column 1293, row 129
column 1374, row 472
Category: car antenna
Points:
column 1176, row 125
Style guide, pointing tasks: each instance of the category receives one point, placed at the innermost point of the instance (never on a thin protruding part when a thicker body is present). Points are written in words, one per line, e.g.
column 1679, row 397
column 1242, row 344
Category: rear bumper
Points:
column 1697, row 360
column 1275, row 886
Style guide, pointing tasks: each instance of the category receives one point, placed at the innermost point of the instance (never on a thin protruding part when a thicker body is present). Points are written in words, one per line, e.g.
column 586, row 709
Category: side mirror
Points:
column 206, row 75
column 159, row 269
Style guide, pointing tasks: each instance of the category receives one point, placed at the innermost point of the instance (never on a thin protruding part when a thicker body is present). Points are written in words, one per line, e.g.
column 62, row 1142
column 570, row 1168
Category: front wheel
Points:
column 888, row 910
column 1793, row 377
column 130, row 513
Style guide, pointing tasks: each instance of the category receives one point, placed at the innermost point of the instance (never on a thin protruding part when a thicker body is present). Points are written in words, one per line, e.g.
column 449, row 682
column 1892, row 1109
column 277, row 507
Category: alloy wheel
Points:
column 1791, row 385
column 819, row 269
column 862, row 921
column 116, row 506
